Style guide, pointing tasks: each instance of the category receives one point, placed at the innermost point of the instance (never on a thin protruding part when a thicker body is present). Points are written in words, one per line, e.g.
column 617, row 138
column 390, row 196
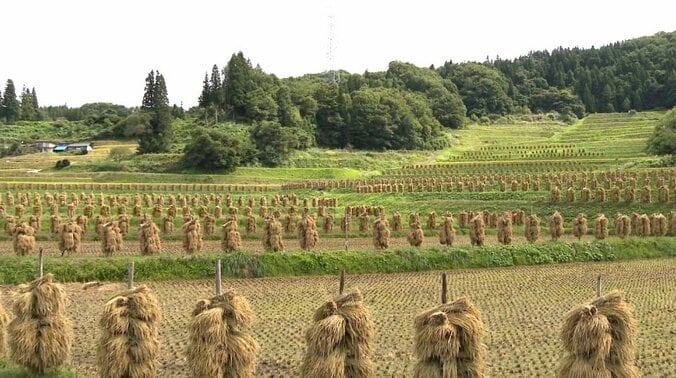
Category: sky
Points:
column 79, row 51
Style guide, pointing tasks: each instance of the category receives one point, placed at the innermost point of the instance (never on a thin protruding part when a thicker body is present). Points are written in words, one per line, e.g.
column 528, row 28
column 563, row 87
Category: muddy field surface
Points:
column 522, row 308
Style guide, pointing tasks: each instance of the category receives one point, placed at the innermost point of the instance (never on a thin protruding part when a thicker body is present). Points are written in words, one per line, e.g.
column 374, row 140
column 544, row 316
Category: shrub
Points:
column 62, row 164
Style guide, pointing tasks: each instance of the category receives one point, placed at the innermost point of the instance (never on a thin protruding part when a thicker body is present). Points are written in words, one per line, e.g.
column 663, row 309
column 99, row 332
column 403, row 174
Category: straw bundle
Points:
column 220, row 342
column 70, row 235
column 290, row 221
column 432, row 220
column 663, row 194
column 18, row 211
column 54, row 224
column 415, row 235
column 646, row 194
column 230, row 237
column 477, row 230
column 364, row 221
column 128, row 345
column 580, row 226
column 505, row 228
column 570, row 195
column 209, row 224
column 532, row 228
column 82, row 221
column 519, row 217
column 396, row 221
column 340, row 341
column 464, row 219
column 381, row 233
column 328, row 223
column 622, row 225
column 600, row 194
column 10, row 224
column 601, row 227
column 672, row 223
column 585, row 194
column 659, row 225
column 413, row 218
column 123, row 223
column 307, row 232
column 272, row 235
column 615, row 194
column 99, row 221
column 251, row 224
column 346, row 223
column 40, row 335
column 149, row 237
column 88, row 211
column 629, row 194
column 555, row 194
column 34, row 222
column 23, row 239
column 643, row 225
column 111, row 238
column 192, row 236
column 448, row 341
column 556, row 226
column 168, row 224
column 599, row 339
column 447, row 232
column 4, row 320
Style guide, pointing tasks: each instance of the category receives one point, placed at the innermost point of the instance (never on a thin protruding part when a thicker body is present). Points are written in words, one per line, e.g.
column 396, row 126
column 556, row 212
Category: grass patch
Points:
column 243, row 265
column 8, row 370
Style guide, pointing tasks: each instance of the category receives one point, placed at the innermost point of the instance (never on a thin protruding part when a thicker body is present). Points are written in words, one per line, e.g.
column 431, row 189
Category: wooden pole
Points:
column 40, row 264
column 444, row 288
column 342, row 282
column 219, row 287
column 130, row 276
column 598, row 286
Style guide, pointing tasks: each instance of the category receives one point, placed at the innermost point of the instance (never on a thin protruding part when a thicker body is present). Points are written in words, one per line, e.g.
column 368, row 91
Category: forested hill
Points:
column 407, row 106
column 404, row 107
column 634, row 74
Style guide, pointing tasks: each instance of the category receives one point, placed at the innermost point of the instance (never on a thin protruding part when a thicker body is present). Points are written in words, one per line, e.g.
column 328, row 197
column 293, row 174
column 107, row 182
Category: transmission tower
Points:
column 332, row 73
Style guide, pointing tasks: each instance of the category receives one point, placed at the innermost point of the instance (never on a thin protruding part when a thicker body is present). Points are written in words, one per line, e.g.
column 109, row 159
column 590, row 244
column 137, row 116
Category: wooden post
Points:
column 219, row 287
column 598, row 286
column 341, row 288
column 347, row 243
column 40, row 264
column 130, row 276
column 444, row 289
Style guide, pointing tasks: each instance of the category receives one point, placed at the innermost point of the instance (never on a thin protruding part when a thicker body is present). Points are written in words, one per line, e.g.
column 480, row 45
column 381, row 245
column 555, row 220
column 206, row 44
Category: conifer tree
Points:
column 157, row 135
column 10, row 103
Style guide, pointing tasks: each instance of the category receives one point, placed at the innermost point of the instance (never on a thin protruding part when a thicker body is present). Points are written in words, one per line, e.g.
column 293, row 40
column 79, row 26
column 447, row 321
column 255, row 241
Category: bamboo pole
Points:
column 130, row 276
column 40, row 263
column 444, row 288
column 219, row 287
column 341, row 288
column 598, row 286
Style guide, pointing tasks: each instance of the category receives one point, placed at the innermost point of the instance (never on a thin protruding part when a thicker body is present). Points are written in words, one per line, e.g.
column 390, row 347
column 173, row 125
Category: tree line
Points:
column 408, row 106
column 22, row 108
column 404, row 107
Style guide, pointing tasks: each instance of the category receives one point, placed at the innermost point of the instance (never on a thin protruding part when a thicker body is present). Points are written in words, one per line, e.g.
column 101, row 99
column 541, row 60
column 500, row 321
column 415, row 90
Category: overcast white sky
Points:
column 79, row 51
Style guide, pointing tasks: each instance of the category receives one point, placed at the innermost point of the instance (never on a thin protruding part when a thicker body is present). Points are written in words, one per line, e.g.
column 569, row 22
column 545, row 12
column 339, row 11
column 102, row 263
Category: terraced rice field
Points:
column 522, row 308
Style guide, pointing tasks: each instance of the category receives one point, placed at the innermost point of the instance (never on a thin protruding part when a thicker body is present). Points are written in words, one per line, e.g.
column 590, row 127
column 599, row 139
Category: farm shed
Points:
column 80, row 147
column 44, row 146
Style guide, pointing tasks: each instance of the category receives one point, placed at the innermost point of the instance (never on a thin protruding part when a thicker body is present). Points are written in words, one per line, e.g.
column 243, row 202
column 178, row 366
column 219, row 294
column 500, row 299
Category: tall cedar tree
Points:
column 10, row 104
column 28, row 110
column 156, row 137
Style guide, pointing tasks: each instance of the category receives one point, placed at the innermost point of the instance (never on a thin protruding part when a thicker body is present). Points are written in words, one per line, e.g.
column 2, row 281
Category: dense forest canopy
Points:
column 404, row 107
